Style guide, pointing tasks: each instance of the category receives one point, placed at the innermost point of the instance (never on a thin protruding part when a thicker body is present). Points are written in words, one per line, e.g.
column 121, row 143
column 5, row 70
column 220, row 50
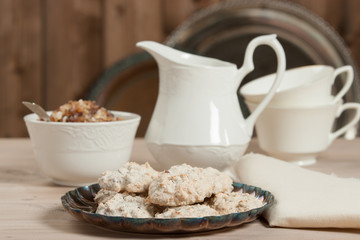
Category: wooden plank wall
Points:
column 52, row 51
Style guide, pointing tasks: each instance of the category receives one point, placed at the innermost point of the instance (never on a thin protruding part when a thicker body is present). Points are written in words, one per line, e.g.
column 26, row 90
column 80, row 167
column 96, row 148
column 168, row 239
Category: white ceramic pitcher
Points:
column 197, row 118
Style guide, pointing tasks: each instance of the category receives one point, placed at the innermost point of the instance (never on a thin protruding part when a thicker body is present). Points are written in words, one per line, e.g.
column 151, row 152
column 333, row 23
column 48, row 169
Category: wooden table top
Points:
column 30, row 206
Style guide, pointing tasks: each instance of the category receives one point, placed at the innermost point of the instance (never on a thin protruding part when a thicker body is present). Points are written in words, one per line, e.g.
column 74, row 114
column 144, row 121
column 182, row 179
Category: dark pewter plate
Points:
column 80, row 203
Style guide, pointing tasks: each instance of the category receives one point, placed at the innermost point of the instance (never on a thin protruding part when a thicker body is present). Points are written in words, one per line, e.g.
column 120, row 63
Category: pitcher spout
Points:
column 161, row 52
column 165, row 54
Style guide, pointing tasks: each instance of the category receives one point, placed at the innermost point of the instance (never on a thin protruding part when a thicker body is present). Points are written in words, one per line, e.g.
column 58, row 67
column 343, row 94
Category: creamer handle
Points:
column 248, row 66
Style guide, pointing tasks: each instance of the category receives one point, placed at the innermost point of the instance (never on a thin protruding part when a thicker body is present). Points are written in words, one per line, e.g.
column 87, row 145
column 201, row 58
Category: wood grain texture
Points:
column 73, row 48
column 127, row 22
column 31, row 208
column 176, row 11
column 350, row 30
column 53, row 51
column 332, row 12
column 20, row 62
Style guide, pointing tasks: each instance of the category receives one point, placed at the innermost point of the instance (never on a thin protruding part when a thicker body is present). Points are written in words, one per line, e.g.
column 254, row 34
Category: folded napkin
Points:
column 303, row 198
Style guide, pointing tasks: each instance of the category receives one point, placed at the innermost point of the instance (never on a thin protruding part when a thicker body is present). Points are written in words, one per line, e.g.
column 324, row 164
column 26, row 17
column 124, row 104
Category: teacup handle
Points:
column 348, row 81
column 248, row 66
column 354, row 120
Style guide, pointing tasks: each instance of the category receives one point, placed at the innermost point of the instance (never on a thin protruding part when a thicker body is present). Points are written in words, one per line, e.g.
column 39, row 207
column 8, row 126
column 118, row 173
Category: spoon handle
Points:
column 38, row 110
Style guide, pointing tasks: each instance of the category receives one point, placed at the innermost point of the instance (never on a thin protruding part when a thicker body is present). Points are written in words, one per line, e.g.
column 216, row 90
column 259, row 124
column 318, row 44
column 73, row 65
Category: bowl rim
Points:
column 132, row 117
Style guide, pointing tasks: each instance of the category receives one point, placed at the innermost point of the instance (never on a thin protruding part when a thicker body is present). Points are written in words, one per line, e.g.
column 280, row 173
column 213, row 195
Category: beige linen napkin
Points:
column 303, row 198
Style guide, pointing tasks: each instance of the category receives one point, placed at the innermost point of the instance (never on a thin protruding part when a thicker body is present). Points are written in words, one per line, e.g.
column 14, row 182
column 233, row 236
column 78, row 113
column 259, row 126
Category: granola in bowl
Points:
column 82, row 111
column 81, row 141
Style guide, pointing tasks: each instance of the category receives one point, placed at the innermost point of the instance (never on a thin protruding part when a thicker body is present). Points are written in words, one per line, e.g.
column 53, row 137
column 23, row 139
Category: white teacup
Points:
column 299, row 134
column 302, row 86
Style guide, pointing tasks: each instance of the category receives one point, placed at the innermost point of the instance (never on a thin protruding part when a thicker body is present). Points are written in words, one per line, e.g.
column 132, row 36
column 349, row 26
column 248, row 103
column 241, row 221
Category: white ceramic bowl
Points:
column 75, row 154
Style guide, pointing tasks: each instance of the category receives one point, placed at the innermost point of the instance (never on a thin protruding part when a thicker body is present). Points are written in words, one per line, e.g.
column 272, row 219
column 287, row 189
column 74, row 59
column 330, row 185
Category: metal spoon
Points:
column 38, row 110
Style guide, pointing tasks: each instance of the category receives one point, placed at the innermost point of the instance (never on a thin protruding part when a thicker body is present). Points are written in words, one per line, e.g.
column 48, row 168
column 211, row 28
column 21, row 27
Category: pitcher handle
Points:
column 354, row 120
column 248, row 66
column 348, row 81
